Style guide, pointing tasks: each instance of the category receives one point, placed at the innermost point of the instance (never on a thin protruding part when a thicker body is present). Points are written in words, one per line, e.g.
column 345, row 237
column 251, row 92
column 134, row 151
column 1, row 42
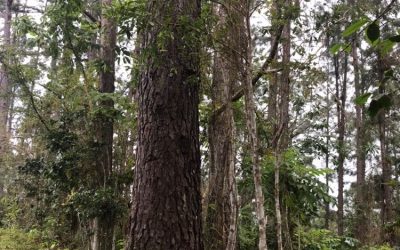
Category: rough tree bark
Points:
column 166, row 210
column 103, row 225
column 221, row 219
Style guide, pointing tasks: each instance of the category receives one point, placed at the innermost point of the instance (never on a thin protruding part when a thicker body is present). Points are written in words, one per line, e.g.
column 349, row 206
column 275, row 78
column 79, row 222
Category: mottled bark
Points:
column 103, row 225
column 166, row 210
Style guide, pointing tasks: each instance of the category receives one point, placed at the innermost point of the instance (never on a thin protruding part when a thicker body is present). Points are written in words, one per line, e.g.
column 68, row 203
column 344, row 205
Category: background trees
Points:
column 292, row 108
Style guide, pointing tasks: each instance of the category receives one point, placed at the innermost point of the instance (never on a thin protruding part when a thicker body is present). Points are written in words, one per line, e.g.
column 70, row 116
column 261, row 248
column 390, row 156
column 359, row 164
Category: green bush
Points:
column 16, row 239
column 321, row 239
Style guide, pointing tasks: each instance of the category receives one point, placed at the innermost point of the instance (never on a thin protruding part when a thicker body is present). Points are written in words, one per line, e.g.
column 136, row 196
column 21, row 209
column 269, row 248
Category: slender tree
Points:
column 166, row 211
column 341, row 91
column 362, row 227
column 252, row 126
column 221, row 217
column 386, row 199
column 5, row 87
column 104, row 224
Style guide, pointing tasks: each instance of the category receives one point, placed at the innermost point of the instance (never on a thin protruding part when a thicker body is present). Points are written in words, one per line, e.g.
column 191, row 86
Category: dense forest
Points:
column 188, row 124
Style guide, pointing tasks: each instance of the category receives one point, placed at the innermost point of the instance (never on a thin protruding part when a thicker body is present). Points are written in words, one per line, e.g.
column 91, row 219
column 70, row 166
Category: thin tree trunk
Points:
column 341, row 112
column 252, row 130
column 166, row 211
column 327, row 155
column 104, row 224
column 362, row 227
column 5, row 87
column 278, row 160
column 234, row 205
column 283, row 135
column 386, row 202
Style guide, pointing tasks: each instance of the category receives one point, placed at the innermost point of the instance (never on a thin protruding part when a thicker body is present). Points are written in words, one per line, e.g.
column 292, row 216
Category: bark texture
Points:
column 222, row 212
column 166, row 211
column 222, row 204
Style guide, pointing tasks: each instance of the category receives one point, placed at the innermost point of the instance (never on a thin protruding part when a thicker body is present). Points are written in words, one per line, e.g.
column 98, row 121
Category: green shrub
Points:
column 16, row 239
column 321, row 239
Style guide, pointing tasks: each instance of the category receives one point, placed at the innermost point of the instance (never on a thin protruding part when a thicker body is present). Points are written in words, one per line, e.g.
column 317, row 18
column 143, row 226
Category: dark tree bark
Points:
column 104, row 224
column 166, row 211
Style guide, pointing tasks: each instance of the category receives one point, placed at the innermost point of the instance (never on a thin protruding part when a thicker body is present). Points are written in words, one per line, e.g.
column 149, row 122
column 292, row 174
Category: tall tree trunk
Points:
column 104, row 224
column 225, row 76
column 283, row 135
column 252, row 132
column 327, row 154
column 5, row 87
column 327, row 142
column 166, row 211
column 273, row 81
column 386, row 202
column 221, row 216
column 341, row 113
column 361, row 228
column 283, row 132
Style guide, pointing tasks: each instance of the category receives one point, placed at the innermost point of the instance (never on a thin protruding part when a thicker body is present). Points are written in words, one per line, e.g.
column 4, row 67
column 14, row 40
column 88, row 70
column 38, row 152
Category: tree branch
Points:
column 263, row 70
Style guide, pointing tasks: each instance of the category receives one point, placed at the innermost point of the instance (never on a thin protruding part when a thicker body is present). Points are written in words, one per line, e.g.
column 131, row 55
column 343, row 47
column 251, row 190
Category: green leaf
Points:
column 373, row 32
column 362, row 99
column 389, row 73
column 354, row 27
column 383, row 102
column 386, row 47
column 395, row 39
column 335, row 48
column 347, row 48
